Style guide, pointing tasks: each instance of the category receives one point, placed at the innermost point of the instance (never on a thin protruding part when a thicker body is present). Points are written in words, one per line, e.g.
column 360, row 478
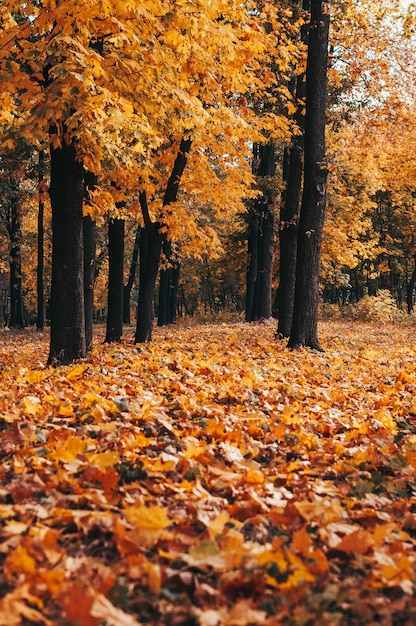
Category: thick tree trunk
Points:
column 151, row 246
column 40, row 297
column 261, row 240
column 115, row 280
column 150, row 251
column 289, row 212
column 304, row 331
column 132, row 277
column 168, row 288
column 67, row 341
column 16, row 300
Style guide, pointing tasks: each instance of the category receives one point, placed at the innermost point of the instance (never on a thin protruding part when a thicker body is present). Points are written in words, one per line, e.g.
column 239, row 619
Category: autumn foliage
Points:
column 213, row 477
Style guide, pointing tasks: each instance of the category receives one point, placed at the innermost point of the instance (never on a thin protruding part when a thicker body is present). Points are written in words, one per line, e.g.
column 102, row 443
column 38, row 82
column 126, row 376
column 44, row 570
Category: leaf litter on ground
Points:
column 212, row 477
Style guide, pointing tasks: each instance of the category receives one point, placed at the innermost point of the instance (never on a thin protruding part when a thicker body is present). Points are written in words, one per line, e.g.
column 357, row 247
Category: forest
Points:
column 207, row 290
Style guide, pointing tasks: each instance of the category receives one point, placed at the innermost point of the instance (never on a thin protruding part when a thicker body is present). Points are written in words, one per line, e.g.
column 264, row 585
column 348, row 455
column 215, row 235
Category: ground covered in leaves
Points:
column 210, row 478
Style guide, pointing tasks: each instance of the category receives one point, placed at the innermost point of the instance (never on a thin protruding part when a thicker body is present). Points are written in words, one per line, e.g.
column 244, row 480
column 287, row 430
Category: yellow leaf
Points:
column 31, row 406
column 103, row 460
column 76, row 372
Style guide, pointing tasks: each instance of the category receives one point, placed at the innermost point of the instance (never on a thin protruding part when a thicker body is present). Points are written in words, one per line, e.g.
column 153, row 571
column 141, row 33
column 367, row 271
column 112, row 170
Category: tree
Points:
column 168, row 287
column 40, row 296
column 289, row 212
column 152, row 246
column 304, row 331
column 67, row 341
column 261, row 237
column 131, row 277
column 115, row 279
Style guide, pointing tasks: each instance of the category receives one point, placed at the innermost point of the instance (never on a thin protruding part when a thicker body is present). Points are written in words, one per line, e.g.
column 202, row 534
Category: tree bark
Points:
column 115, row 280
column 409, row 290
column 67, row 341
column 40, row 296
column 90, row 244
column 151, row 247
column 304, row 331
column 289, row 212
column 150, row 250
column 132, row 277
column 168, row 288
column 261, row 239
column 15, row 233
column 253, row 267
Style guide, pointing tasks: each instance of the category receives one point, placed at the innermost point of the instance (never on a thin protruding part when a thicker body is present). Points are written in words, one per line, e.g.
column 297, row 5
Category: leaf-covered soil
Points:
column 212, row 477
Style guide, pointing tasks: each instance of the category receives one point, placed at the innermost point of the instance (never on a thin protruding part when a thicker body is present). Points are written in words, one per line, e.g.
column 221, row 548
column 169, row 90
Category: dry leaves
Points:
column 213, row 477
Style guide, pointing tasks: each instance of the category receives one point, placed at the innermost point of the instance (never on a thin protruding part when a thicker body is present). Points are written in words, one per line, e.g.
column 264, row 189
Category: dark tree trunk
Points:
column 90, row 245
column 132, row 277
column 261, row 240
column 16, row 300
column 410, row 289
column 253, row 267
column 168, row 288
column 304, row 331
column 289, row 212
column 151, row 246
column 67, row 341
column 150, row 251
column 40, row 297
column 115, row 280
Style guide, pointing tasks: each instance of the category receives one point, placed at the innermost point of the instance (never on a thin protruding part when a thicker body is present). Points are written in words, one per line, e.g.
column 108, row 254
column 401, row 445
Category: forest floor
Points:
column 211, row 478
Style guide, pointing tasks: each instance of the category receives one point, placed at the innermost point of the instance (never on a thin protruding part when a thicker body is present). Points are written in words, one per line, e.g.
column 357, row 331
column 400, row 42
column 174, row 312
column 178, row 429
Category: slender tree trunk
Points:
column 40, row 313
column 304, row 330
column 168, row 288
column 132, row 277
column 266, row 263
column 152, row 244
column 253, row 268
column 150, row 251
column 410, row 289
column 289, row 212
column 90, row 244
column 261, row 240
column 16, row 300
column 67, row 341
column 115, row 280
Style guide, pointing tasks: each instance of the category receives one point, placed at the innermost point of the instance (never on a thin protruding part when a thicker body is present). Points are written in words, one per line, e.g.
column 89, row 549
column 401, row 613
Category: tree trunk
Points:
column 253, row 268
column 40, row 297
column 67, row 341
column 289, row 212
column 90, row 243
column 261, row 240
column 168, row 288
column 266, row 262
column 115, row 280
column 410, row 289
column 16, row 300
column 150, row 251
column 132, row 277
column 151, row 246
column 304, row 331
